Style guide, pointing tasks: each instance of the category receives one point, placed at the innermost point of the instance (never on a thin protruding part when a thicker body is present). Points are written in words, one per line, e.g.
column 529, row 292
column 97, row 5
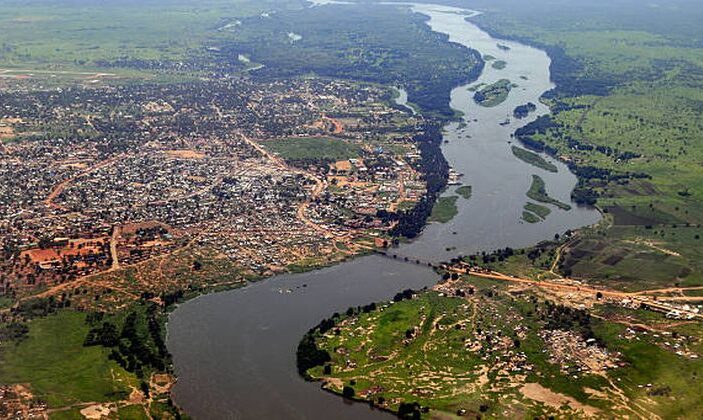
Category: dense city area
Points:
column 270, row 177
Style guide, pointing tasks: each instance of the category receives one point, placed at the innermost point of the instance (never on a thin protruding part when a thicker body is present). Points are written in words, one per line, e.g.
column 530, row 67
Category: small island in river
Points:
column 499, row 64
column 522, row 111
column 537, row 192
column 533, row 159
column 494, row 94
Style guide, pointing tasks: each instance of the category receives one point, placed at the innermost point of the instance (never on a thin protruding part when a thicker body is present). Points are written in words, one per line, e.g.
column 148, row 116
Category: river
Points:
column 234, row 352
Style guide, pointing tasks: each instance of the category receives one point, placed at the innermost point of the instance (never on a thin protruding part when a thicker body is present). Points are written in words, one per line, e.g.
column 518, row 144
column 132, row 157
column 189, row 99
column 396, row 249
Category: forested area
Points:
column 375, row 43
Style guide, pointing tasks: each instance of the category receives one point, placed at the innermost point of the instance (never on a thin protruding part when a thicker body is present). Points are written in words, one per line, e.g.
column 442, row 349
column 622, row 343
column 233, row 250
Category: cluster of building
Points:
column 89, row 170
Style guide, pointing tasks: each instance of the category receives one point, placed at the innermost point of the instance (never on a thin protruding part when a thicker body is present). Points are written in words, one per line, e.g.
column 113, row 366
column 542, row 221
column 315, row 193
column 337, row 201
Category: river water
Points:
column 234, row 352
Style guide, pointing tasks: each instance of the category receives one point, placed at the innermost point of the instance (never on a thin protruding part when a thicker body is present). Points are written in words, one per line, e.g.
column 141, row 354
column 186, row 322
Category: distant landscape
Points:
column 156, row 151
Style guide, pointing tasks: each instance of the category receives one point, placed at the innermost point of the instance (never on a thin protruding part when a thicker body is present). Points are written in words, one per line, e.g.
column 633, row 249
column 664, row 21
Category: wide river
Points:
column 234, row 352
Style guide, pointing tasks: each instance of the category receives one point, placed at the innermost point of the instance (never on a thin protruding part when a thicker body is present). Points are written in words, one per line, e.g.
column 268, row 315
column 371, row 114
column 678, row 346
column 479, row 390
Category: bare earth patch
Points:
column 185, row 154
column 537, row 392
column 96, row 411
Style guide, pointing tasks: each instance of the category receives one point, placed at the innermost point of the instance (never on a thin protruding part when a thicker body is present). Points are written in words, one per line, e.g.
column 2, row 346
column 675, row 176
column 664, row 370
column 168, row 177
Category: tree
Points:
column 348, row 392
column 409, row 411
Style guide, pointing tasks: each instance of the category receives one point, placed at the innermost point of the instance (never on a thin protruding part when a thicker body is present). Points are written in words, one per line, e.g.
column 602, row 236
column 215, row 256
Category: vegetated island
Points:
column 494, row 94
column 444, row 210
column 530, row 217
column 522, row 111
column 503, row 47
column 499, row 64
column 533, row 159
column 465, row 191
column 535, row 213
column 538, row 192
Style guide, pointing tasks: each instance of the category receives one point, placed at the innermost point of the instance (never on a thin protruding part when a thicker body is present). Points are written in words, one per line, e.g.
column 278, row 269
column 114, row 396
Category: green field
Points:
column 302, row 150
column 627, row 114
column 444, row 209
column 493, row 94
column 59, row 368
column 476, row 354
column 538, row 192
column 637, row 258
column 47, row 34
column 533, row 159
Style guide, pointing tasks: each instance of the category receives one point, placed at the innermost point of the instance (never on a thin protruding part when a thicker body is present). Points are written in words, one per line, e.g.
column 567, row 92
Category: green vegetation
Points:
column 132, row 412
column 537, row 192
column 494, row 94
column 637, row 258
column 465, row 191
column 47, row 34
column 313, row 150
column 474, row 352
column 314, row 263
column 444, row 209
column 530, row 217
column 499, row 64
column 383, row 44
column 59, row 368
column 135, row 336
column 406, row 205
column 522, row 111
column 534, row 213
column 533, row 159
column 627, row 114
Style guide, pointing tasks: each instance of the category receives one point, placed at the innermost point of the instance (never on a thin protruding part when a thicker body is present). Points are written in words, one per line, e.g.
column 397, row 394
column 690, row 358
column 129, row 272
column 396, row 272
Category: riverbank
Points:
column 239, row 353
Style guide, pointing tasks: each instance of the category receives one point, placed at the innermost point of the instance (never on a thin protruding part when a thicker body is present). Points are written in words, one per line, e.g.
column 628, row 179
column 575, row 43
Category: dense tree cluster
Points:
column 522, row 111
column 137, row 344
column 560, row 317
column 357, row 43
column 406, row 294
column 308, row 355
column 436, row 171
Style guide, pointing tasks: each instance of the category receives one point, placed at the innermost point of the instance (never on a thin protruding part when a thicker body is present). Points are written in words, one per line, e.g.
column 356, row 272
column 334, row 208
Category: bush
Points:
column 348, row 392
column 409, row 411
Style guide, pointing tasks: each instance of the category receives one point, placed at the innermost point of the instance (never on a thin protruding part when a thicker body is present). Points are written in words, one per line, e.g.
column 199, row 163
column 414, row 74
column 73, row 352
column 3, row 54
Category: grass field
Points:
column 628, row 101
column 477, row 354
column 132, row 412
column 533, row 159
column 444, row 209
column 636, row 258
column 73, row 34
column 313, row 149
column 60, row 370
